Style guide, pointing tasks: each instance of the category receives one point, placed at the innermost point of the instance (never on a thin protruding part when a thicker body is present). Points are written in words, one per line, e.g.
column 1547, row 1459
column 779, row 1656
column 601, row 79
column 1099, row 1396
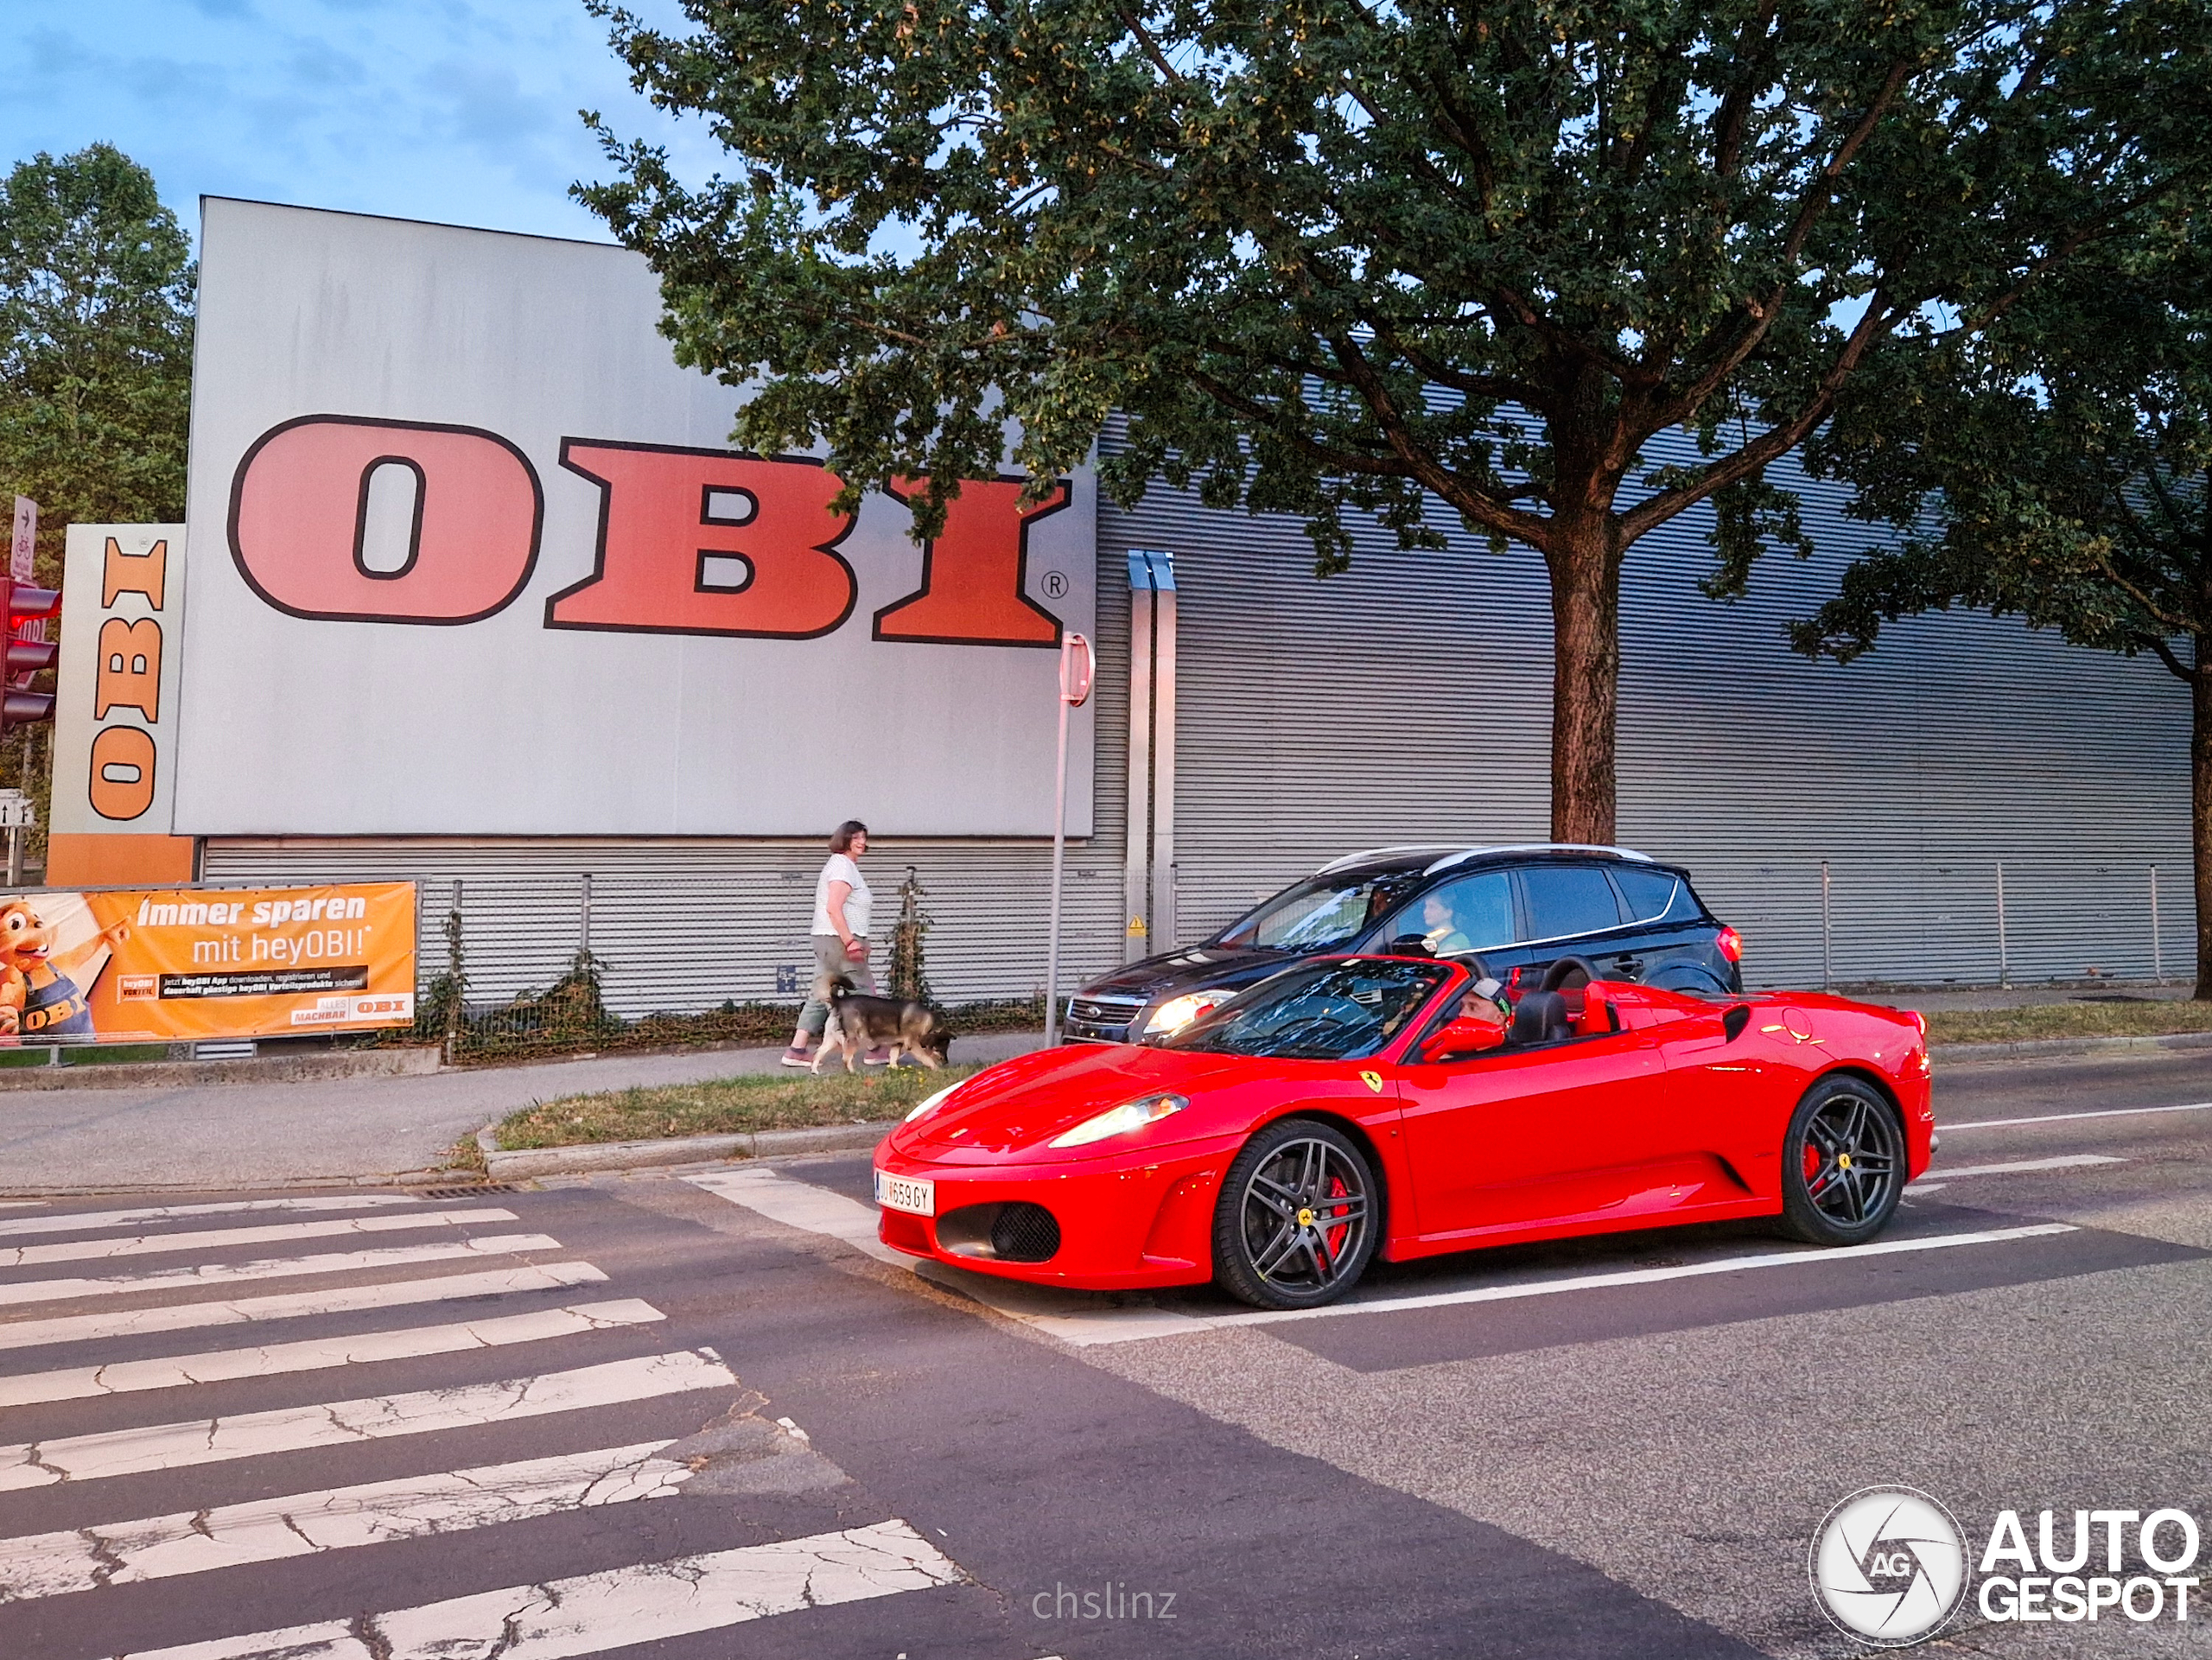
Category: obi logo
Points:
column 1889, row 1566
column 350, row 519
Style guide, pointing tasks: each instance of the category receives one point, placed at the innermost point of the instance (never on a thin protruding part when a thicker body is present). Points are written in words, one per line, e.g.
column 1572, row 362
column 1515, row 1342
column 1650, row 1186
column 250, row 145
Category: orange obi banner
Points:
column 138, row 965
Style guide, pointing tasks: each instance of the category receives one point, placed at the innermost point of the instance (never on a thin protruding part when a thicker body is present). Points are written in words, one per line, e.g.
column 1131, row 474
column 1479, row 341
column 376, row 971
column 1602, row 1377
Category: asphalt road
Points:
column 695, row 1418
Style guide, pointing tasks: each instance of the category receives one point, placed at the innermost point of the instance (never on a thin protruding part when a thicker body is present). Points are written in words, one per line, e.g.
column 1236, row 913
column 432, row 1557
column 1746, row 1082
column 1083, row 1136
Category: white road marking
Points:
column 1071, row 1315
column 1083, row 1318
column 1951, row 1126
column 1651, row 1275
column 802, row 1204
column 295, row 1305
column 20, row 1203
column 274, row 1267
column 314, row 1354
column 87, row 1221
column 167, row 1244
column 1937, row 1177
column 614, row 1610
column 339, row 1518
column 344, row 1423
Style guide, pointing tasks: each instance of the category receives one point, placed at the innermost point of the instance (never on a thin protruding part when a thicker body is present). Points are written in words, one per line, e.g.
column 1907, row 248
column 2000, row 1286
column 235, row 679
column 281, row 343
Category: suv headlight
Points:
column 1178, row 1012
column 1120, row 1120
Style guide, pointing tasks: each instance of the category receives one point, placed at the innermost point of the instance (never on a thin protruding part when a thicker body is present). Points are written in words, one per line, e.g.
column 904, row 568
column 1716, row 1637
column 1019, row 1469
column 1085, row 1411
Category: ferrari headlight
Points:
column 1178, row 1012
column 930, row 1104
column 1120, row 1120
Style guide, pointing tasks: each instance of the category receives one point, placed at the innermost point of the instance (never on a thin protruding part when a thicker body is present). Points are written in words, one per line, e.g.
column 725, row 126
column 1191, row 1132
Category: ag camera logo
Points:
column 1889, row 1566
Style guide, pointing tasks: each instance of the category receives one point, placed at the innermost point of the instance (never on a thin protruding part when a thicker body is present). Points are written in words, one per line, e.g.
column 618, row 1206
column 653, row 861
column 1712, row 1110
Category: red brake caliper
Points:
column 1335, row 1240
column 1812, row 1161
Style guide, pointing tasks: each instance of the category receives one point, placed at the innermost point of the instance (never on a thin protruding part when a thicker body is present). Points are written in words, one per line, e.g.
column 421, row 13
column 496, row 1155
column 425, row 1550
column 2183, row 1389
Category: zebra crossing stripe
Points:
column 295, row 1305
column 167, row 1245
column 339, row 1518
column 345, row 1423
column 273, row 1268
column 594, row 1613
column 313, row 1354
column 87, row 1221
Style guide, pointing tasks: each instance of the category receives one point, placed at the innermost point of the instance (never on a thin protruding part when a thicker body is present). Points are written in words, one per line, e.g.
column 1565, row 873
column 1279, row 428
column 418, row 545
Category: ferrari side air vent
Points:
column 1025, row 1233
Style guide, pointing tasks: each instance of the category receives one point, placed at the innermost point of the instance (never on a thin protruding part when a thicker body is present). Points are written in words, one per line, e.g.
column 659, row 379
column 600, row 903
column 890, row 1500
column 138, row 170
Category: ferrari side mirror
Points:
column 1457, row 1038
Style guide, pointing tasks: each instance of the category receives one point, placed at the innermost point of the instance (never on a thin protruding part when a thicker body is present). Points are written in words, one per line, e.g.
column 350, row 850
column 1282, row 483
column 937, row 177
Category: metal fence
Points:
column 1984, row 922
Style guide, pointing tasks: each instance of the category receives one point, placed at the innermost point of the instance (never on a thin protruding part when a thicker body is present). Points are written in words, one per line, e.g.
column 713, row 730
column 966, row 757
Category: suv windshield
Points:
column 1325, row 1011
column 1326, row 913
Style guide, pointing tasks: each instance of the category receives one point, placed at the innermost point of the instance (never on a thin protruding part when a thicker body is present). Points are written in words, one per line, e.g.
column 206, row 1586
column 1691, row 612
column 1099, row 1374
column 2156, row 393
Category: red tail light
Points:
column 1732, row 945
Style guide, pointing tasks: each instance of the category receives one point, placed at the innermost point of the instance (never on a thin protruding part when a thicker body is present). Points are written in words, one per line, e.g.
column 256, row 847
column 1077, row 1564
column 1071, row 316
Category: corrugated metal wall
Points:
column 1408, row 701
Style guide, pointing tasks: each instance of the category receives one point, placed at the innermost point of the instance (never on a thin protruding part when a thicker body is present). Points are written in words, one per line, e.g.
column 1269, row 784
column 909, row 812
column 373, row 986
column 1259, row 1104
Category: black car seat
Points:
column 1541, row 1017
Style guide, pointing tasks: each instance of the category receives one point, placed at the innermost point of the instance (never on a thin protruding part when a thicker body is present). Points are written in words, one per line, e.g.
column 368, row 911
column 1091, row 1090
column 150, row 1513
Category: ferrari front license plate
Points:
column 905, row 1193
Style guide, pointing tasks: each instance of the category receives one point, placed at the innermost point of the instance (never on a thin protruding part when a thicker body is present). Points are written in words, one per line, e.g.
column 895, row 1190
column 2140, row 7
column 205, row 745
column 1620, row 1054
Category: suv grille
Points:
column 1104, row 1011
column 1025, row 1233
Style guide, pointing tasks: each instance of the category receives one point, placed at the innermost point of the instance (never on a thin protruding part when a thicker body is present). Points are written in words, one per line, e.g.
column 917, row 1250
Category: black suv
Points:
column 1518, row 908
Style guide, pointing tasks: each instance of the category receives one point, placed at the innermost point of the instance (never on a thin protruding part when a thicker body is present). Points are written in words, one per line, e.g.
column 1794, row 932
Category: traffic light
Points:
column 24, row 610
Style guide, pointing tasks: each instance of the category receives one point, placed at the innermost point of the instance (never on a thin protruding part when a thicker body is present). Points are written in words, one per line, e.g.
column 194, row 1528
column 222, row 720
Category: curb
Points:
column 2033, row 1049
column 268, row 1068
column 685, row 1149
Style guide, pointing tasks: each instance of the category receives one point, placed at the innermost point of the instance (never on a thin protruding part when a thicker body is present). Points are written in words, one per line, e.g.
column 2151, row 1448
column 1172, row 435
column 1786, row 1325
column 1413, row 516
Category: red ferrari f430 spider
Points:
column 1357, row 1105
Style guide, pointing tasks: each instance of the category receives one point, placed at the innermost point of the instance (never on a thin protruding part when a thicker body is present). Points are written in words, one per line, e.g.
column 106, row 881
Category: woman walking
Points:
column 842, row 904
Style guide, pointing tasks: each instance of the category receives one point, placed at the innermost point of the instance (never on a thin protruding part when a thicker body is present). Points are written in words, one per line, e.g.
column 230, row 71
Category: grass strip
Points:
column 723, row 1106
column 2068, row 1020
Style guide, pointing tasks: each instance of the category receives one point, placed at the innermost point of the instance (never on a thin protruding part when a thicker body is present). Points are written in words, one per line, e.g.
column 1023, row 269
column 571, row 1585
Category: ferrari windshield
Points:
column 1327, row 914
column 1323, row 1011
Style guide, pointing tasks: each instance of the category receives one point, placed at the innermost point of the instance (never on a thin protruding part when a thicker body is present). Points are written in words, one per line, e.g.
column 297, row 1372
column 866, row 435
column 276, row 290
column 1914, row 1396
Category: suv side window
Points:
column 1474, row 913
column 1655, row 895
column 1564, row 901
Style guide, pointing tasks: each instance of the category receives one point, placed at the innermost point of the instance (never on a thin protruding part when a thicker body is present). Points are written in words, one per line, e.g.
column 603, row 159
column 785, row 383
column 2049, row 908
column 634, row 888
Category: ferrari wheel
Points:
column 1843, row 1165
column 1294, row 1227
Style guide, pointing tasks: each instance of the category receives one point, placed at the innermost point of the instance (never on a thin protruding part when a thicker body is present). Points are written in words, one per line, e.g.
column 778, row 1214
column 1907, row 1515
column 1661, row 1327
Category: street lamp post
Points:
column 1075, row 691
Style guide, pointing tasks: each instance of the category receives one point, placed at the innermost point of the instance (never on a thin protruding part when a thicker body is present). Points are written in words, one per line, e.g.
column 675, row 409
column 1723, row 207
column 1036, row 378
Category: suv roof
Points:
column 1431, row 858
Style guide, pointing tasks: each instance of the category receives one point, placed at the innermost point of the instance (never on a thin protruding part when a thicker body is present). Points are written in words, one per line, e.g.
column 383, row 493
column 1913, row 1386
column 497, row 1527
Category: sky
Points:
column 458, row 111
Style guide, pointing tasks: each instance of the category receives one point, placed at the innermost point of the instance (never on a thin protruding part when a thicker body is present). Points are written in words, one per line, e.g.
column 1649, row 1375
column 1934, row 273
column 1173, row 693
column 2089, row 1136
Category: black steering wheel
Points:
column 1477, row 971
column 1556, row 977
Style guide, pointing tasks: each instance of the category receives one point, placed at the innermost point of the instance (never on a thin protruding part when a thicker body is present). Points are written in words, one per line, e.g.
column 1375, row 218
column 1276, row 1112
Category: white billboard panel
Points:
column 476, row 557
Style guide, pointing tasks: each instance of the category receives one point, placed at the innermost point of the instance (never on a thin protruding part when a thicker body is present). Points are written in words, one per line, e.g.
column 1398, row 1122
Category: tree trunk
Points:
column 1585, row 559
column 2200, row 810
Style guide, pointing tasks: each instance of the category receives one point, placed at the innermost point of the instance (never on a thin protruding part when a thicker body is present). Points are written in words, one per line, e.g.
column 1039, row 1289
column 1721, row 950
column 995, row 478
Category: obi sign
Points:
column 118, row 965
column 493, row 569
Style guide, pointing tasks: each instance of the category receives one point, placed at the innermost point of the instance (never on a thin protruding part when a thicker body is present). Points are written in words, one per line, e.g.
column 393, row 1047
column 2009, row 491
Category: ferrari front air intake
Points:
column 1023, row 1232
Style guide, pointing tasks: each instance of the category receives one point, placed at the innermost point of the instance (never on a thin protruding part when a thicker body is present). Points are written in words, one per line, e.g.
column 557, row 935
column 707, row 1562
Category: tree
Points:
column 1327, row 255
column 95, row 297
column 2059, row 469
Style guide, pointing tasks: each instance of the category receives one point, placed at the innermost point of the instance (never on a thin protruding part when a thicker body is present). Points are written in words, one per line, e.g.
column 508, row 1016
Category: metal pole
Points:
column 2157, row 957
column 14, row 855
column 1059, row 859
column 2004, row 960
column 583, row 920
column 1827, row 973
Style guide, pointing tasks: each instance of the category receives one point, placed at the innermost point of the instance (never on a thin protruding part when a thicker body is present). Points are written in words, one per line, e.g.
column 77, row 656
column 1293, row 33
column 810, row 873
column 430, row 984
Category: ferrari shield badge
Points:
column 1373, row 1080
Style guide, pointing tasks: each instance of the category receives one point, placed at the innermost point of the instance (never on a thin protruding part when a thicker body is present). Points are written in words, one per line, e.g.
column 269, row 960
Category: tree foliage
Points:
column 1333, row 258
column 95, row 300
column 2059, row 469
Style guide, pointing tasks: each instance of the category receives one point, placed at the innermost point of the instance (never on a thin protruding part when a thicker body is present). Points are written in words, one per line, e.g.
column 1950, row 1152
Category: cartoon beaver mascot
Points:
column 38, row 998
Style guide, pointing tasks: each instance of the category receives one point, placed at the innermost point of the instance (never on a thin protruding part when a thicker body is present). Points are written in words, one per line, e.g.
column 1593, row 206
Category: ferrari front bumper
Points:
column 1129, row 1220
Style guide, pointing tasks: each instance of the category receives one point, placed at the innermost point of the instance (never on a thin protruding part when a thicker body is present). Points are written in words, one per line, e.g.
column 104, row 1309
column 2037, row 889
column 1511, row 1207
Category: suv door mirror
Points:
column 1456, row 1039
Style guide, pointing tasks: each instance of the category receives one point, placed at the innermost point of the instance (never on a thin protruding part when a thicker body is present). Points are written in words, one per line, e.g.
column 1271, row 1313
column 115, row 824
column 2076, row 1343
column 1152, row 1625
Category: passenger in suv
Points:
column 1515, row 907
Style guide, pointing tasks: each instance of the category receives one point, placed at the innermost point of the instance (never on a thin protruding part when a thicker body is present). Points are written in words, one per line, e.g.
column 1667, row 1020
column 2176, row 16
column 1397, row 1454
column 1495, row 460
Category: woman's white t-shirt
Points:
column 841, row 869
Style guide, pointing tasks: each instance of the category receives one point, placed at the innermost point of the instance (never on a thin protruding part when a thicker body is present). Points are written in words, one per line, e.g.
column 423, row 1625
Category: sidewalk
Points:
column 338, row 1130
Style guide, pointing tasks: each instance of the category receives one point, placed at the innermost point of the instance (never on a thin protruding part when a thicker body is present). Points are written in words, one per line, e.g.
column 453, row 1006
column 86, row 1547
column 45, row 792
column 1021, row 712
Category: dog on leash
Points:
column 858, row 1022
